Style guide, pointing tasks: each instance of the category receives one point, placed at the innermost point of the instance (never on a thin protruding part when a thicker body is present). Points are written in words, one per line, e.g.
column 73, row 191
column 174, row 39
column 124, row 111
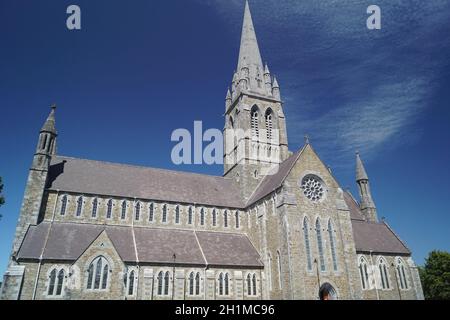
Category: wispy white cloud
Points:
column 347, row 87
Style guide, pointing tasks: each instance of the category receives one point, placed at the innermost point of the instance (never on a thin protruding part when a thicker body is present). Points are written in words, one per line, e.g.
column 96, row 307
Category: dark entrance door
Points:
column 327, row 292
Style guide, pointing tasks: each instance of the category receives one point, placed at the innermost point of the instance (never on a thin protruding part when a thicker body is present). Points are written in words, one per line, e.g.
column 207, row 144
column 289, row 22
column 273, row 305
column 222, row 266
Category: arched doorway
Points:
column 327, row 292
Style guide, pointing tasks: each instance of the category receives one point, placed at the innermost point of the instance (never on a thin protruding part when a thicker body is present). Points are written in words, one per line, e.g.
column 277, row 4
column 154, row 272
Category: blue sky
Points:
column 138, row 70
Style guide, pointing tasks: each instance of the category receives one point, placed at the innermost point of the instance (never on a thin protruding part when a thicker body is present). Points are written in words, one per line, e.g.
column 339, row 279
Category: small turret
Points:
column 267, row 80
column 227, row 100
column 366, row 202
column 276, row 89
column 46, row 146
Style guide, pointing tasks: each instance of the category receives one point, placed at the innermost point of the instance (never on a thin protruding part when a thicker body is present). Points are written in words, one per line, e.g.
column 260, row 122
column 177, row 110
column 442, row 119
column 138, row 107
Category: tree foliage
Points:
column 435, row 276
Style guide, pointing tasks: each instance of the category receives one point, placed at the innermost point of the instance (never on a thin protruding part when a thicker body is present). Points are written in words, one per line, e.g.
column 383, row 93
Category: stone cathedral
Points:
column 98, row 230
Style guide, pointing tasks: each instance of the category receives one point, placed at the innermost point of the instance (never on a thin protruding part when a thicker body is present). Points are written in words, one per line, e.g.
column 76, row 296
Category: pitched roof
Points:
column 372, row 236
column 272, row 182
column 377, row 237
column 120, row 180
column 68, row 241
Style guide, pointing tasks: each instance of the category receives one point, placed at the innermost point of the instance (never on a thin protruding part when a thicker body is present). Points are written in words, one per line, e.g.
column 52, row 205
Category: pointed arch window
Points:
column 320, row 245
column 109, row 209
column 124, row 210
column 269, row 124
column 151, row 209
column 269, row 270
column 225, row 219
column 164, row 214
column 190, row 215
column 383, row 274
column 332, row 245
column 255, row 123
column 79, row 206
column 202, row 217
column 280, row 284
column 63, row 205
column 307, row 244
column 131, row 283
column 56, row 282
column 363, row 273
column 254, row 284
column 94, row 208
column 220, row 284
column 51, row 285
column 177, row 214
column 249, row 285
column 197, row 284
column 191, row 283
column 226, row 284
column 214, row 217
column 166, row 283
column 401, row 274
column 137, row 211
column 236, row 217
column 59, row 286
column 98, row 273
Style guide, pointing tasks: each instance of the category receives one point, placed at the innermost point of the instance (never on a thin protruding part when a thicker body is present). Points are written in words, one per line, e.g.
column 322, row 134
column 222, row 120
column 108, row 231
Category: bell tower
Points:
column 255, row 139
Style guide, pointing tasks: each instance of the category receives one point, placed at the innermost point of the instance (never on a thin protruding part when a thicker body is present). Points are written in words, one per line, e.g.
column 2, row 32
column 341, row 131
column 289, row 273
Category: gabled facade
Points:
column 277, row 225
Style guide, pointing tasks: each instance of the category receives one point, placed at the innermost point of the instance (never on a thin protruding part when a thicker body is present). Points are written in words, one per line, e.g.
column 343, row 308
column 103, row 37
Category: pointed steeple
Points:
column 360, row 170
column 366, row 202
column 276, row 89
column 227, row 100
column 249, row 55
column 49, row 125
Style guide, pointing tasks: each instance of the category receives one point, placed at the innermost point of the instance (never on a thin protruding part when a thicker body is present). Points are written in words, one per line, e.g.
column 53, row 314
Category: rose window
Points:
column 312, row 188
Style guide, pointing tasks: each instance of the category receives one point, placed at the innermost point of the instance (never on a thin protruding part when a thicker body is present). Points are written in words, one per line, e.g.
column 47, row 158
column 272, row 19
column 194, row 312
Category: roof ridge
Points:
column 296, row 156
column 395, row 234
column 148, row 168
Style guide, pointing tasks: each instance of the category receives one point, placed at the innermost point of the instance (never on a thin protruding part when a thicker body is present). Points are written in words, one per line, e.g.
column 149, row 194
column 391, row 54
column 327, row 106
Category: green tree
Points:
column 435, row 276
column 2, row 198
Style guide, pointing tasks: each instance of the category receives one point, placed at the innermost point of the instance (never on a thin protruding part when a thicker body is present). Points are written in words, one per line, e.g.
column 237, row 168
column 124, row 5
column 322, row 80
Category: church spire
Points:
column 249, row 54
column 366, row 202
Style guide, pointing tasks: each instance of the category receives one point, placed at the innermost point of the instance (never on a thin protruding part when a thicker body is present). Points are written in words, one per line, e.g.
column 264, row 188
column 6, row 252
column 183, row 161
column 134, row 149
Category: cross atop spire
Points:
column 249, row 55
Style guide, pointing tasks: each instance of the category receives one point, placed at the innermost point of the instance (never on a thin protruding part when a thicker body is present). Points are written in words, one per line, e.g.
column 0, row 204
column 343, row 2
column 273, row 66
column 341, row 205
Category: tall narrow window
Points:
column 63, row 205
column 177, row 214
column 401, row 274
column 190, row 215
column 214, row 218
column 254, row 123
column 236, row 216
column 254, row 284
column 269, row 124
column 137, row 211
column 320, row 245
column 307, row 245
column 225, row 219
column 226, row 284
column 94, row 208
column 166, row 283
column 332, row 244
column 164, row 214
column 197, row 283
column 280, row 284
column 202, row 217
column 98, row 274
column 383, row 274
column 79, row 206
column 150, row 212
column 363, row 273
column 109, row 209
column 60, row 282
column 221, row 284
column 51, row 285
column 191, row 283
column 160, row 282
column 124, row 210
column 249, row 285
column 269, row 271
column 131, row 283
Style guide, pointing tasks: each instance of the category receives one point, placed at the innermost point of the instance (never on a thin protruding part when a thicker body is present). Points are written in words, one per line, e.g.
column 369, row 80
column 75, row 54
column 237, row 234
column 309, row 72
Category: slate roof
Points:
column 111, row 179
column 372, row 236
column 274, row 181
column 68, row 241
